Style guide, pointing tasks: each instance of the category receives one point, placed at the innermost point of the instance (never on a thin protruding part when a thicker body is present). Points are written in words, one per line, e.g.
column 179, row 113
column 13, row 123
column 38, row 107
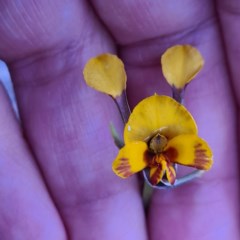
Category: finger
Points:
column 26, row 210
column 194, row 211
column 229, row 13
column 67, row 123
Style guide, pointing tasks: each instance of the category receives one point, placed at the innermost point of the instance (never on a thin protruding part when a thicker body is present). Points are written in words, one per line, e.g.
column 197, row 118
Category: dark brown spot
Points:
column 149, row 157
column 171, row 154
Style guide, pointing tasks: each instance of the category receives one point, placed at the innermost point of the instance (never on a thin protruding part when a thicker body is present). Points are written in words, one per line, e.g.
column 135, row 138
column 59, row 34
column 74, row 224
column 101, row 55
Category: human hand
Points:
column 58, row 183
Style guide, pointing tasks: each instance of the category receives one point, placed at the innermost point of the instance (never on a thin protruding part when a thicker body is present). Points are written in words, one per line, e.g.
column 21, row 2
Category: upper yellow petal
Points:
column 189, row 150
column 180, row 64
column 158, row 114
column 132, row 158
column 105, row 73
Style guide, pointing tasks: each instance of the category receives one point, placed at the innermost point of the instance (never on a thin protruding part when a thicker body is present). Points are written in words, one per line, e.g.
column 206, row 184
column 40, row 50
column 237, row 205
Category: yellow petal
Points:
column 180, row 64
column 189, row 150
column 156, row 173
column 170, row 173
column 105, row 73
column 158, row 114
column 132, row 158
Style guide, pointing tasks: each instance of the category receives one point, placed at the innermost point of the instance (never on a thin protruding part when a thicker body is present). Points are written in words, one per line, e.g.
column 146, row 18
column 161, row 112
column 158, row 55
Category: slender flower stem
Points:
column 123, row 106
column 117, row 139
column 178, row 94
column 146, row 194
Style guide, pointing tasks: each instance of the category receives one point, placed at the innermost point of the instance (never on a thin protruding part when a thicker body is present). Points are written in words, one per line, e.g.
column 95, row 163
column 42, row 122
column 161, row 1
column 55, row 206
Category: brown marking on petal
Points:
column 171, row 154
column 202, row 161
column 124, row 168
column 154, row 179
column 198, row 145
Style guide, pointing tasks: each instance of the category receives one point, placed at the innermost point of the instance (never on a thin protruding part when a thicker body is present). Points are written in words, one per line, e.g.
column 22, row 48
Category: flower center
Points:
column 157, row 143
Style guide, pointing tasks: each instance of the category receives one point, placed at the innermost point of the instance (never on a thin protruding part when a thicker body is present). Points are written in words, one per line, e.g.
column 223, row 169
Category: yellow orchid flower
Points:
column 159, row 133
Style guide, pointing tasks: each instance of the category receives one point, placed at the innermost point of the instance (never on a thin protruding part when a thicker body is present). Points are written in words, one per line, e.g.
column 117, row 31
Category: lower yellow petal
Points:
column 170, row 173
column 132, row 158
column 189, row 150
column 157, row 173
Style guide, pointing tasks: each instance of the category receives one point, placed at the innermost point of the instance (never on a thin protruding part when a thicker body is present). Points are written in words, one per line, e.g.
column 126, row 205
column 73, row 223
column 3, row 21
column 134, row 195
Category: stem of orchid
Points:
column 123, row 106
column 178, row 94
column 146, row 194
column 116, row 137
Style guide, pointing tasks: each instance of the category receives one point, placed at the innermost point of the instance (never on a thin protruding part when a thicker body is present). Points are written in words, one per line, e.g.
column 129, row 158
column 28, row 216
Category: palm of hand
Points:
column 46, row 45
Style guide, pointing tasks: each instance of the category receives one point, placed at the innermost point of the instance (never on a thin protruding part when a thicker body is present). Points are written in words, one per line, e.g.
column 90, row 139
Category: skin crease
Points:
column 73, row 193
